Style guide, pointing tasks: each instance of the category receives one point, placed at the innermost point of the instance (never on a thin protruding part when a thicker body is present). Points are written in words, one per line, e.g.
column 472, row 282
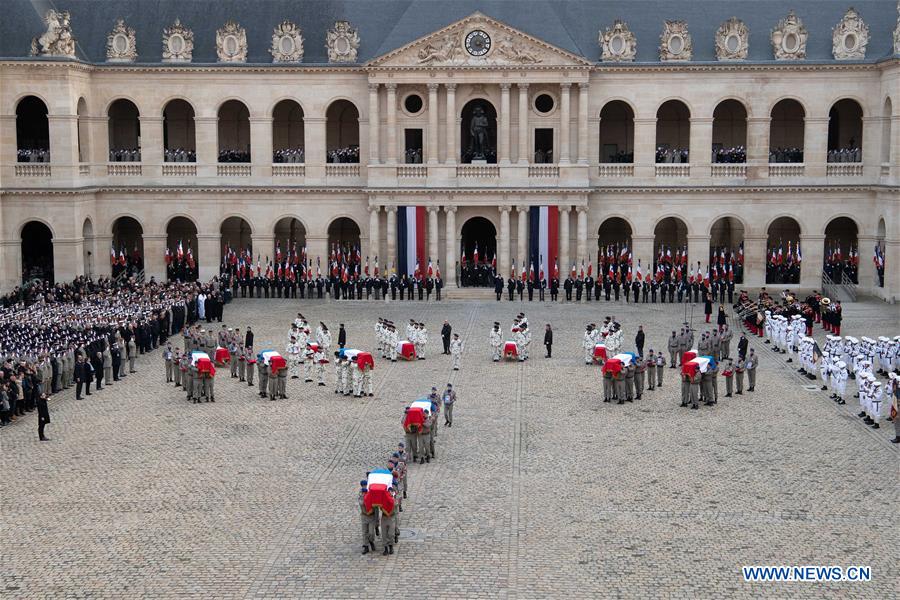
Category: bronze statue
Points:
column 479, row 143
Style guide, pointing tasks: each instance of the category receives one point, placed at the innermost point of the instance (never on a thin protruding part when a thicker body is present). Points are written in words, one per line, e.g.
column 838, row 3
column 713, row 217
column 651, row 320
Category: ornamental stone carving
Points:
column 231, row 43
column 178, row 43
column 850, row 37
column 287, row 43
column 618, row 43
column 789, row 38
column 732, row 40
column 515, row 52
column 342, row 43
column 675, row 42
column 57, row 40
column 121, row 45
column 443, row 50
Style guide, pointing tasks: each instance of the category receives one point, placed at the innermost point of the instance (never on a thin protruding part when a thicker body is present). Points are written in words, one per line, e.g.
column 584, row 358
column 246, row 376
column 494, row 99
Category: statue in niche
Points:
column 479, row 141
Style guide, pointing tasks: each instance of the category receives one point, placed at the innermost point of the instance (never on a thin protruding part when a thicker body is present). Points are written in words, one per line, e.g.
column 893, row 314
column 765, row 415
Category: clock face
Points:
column 478, row 43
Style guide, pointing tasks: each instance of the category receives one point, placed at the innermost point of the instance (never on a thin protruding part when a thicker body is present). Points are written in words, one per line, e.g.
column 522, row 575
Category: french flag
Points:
column 544, row 241
column 410, row 238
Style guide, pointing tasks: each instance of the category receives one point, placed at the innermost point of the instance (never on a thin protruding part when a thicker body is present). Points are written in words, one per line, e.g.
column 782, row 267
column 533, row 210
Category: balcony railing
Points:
column 673, row 169
column 478, row 171
column 123, row 169
column 844, row 170
column 786, row 169
column 288, row 170
column 616, row 170
column 179, row 170
column 543, row 170
column 729, row 170
column 342, row 169
column 411, row 171
column 233, row 170
column 33, row 170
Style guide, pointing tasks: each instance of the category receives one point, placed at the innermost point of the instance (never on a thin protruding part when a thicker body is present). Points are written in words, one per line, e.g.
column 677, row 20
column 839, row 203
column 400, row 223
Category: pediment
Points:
column 461, row 45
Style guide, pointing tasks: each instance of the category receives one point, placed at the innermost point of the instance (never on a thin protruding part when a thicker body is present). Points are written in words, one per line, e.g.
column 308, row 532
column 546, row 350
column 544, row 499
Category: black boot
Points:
column 385, row 553
column 365, row 550
column 391, row 547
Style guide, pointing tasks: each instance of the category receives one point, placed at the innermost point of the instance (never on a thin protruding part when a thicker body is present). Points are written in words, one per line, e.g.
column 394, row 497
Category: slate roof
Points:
column 385, row 25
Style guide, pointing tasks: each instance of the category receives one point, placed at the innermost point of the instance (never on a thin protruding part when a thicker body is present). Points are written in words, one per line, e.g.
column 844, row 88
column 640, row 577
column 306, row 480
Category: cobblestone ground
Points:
column 538, row 491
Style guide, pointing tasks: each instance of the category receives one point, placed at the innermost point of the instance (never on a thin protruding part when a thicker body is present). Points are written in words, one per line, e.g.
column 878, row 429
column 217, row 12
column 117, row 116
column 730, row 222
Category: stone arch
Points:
column 290, row 231
column 615, row 232
column 729, row 132
column 787, row 128
column 128, row 241
column 845, row 131
column 344, row 233
column 670, row 236
column 237, row 234
column 124, row 130
column 468, row 151
column 783, row 251
column 342, row 131
column 234, row 132
column 673, row 131
column 179, row 131
column 32, row 130
column 87, row 244
column 84, row 151
column 886, row 125
column 181, row 241
column 288, row 132
column 36, row 238
column 842, row 256
column 617, row 132
column 481, row 231
column 726, row 238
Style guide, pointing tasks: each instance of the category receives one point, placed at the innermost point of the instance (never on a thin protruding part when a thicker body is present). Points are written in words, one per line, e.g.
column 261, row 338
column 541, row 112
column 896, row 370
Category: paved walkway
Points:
column 538, row 490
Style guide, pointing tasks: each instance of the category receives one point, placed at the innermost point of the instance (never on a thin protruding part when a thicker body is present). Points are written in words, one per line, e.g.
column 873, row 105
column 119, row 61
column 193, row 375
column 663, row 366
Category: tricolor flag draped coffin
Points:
column 410, row 239
column 543, row 247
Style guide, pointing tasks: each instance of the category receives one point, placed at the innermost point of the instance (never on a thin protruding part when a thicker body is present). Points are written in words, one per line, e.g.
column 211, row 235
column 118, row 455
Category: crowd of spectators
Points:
column 125, row 155
column 179, row 155
column 786, row 155
column 543, row 156
column 349, row 154
column 672, row 155
column 33, row 155
column 234, row 156
column 620, row 157
column 730, row 155
column 845, row 155
column 289, row 155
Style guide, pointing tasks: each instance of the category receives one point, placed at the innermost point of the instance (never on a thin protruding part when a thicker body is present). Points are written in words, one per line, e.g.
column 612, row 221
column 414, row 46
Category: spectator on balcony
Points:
column 349, row 154
column 124, row 155
column 413, row 156
column 786, row 155
column 730, row 155
column 33, row 155
column 180, row 155
column 289, row 155
column 672, row 155
column 234, row 156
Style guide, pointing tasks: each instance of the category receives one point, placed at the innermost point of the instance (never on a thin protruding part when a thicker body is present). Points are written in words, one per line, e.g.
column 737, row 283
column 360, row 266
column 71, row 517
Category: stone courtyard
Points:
column 538, row 491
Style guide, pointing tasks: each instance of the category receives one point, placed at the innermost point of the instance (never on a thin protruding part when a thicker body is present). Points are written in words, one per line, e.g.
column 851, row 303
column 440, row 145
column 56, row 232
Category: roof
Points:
column 385, row 25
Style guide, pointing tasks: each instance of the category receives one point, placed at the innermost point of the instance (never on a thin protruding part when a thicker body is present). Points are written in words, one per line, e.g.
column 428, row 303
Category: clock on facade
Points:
column 478, row 43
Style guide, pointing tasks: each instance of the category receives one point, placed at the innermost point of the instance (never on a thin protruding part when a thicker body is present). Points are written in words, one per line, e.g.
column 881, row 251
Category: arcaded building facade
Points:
column 658, row 125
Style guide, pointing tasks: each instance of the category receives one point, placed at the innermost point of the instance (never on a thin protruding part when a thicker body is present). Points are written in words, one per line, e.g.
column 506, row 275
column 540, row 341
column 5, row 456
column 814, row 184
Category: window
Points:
column 413, row 139
column 543, row 146
column 544, row 104
column 413, row 104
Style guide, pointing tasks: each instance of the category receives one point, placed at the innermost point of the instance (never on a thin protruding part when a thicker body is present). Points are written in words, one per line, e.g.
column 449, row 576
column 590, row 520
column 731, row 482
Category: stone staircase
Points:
column 468, row 293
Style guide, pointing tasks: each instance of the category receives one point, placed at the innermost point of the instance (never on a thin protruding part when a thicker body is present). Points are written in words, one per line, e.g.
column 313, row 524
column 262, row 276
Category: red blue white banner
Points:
column 544, row 239
column 410, row 239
